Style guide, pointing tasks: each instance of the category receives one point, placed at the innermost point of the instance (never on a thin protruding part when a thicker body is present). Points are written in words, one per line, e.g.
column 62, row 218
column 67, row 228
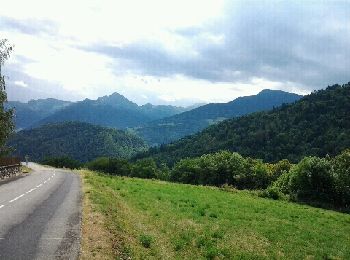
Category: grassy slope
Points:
column 154, row 219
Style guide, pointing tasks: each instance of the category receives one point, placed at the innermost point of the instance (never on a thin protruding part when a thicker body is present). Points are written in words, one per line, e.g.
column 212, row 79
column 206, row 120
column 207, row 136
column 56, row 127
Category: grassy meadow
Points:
column 151, row 219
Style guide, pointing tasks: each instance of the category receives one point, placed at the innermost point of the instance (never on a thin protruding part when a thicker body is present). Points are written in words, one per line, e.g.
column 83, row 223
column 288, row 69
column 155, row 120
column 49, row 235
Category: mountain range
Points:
column 316, row 125
column 155, row 124
column 113, row 111
column 171, row 128
column 35, row 110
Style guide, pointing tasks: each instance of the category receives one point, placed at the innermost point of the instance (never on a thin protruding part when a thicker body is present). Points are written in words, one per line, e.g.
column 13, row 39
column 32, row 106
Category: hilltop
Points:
column 318, row 124
column 172, row 128
column 80, row 141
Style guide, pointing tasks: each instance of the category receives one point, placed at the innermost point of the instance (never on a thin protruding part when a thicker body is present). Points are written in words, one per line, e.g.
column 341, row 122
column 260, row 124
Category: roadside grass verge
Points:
column 96, row 239
column 151, row 219
column 25, row 169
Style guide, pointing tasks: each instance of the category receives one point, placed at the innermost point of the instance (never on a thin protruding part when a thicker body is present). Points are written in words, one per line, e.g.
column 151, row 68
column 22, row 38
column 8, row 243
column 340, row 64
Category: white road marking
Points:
column 20, row 196
column 30, row 190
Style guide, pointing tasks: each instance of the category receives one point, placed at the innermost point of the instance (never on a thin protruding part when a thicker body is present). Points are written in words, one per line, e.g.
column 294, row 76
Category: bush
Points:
column 62, row 162
column 282, row 183
column 256, row 175
column 146, row 241
column 312, row 180
column 341, row 166
column 186, row 171
column 145, row 168
column 272, row 192
column 113, row 166
column 99, row 164
column 223, row 168
column 280, row 168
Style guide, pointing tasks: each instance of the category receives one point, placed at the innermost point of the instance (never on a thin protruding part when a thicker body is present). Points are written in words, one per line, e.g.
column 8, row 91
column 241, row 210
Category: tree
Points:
column 6, row 124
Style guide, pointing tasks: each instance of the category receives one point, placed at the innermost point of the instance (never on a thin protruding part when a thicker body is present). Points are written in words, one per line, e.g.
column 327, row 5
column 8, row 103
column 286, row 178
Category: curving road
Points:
column 40, row 215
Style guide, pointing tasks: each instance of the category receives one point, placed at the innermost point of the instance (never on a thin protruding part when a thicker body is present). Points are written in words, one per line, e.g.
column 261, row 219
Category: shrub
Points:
column 62, row 162
column 113, row 166
column 146, row 241
column 282, row 183
column 272, row 192
column 341, row 166
column 145, row 168
column 186, row 171
column 99, row 164
column 280, row 168
column 223, row 168
column 312, row 179
column 255, row 175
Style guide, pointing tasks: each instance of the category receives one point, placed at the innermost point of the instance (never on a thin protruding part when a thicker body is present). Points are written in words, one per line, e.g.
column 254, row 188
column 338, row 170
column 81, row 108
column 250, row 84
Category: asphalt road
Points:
column 40, row 215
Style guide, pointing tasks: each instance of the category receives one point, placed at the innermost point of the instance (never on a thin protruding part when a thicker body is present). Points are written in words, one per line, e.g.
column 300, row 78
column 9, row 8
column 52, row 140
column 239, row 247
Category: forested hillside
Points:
column 80, row 141
column 111, row 111
column 318, row 124
column 27, row 114
column 173, row 128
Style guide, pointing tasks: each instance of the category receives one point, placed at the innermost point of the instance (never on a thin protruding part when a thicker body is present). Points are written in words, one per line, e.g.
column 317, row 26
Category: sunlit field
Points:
column 161, row 220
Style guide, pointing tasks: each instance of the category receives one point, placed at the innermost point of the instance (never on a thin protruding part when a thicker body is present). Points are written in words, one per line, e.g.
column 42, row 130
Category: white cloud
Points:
column 21, row 83
column 208, row 51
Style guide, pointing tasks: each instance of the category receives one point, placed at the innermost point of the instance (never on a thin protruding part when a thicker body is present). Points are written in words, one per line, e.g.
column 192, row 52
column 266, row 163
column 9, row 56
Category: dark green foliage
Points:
column 145, row 168
column 280, row 168
column 312, row 179
column 175, row 127
column 257, row 175
column 6, row 124
column 62, row 162
column 113, row 166
column 146, row 241
column 316, row 125
column 272, row 192
column 341, row 167
column 223, row 168
column 316, row 180
column 80, row 141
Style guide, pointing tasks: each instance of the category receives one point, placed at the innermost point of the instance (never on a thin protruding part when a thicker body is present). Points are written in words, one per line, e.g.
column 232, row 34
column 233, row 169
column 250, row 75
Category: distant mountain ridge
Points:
column 34, row 110
column 80, row 141
column 169, row 129
column 113, row 111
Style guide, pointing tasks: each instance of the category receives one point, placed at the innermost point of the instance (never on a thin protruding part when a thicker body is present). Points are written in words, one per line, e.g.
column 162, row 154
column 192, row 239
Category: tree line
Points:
column 317, row 181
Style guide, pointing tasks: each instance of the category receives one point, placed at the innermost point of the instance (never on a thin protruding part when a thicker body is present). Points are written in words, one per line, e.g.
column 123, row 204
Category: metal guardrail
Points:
column 9, row 167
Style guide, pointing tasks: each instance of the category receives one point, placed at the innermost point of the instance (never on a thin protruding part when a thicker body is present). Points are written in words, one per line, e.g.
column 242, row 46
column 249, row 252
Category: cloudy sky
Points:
column 173, row 52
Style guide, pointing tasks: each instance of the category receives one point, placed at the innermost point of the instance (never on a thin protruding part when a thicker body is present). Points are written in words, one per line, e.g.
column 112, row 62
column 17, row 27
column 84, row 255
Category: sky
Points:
column 176, row 52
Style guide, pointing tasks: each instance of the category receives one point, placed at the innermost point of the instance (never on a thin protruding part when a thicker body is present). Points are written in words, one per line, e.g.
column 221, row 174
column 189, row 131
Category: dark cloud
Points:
column 306, row 43
column 28, row 26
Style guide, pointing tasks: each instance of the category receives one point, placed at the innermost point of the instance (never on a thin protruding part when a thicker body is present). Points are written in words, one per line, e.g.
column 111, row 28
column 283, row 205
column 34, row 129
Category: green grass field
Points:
column 152, row 219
